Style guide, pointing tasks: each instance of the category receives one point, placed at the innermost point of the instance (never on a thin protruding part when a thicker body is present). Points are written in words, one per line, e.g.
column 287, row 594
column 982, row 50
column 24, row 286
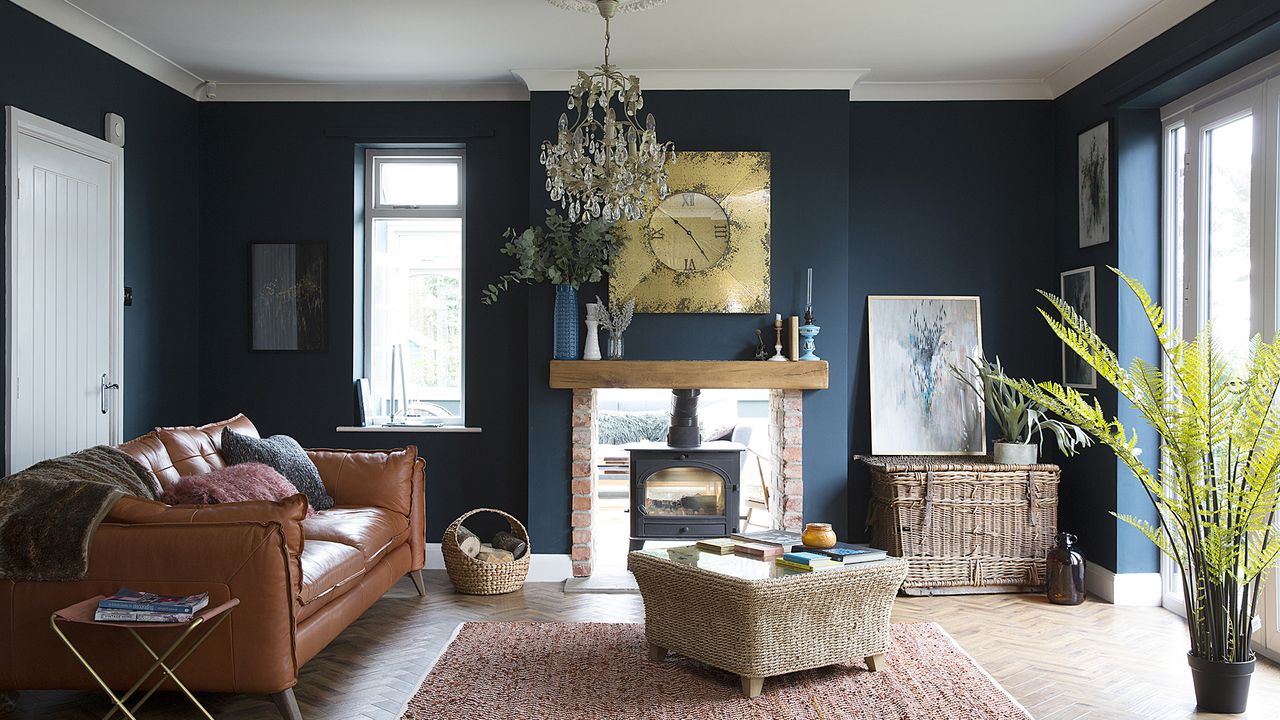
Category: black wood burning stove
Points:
column 684, row 489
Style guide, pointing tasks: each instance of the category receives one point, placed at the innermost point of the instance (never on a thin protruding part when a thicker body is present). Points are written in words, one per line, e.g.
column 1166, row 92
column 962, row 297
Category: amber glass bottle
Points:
column 1065, row 570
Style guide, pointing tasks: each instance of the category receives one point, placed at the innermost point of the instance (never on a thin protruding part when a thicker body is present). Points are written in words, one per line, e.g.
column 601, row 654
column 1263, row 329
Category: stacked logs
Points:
column 503, row 548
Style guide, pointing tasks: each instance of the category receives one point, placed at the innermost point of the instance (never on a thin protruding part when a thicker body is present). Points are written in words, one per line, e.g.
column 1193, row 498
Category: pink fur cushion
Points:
column 234, row 483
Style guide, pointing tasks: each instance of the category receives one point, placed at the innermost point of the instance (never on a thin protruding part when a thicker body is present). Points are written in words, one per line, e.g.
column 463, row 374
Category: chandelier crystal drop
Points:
column 605, row 164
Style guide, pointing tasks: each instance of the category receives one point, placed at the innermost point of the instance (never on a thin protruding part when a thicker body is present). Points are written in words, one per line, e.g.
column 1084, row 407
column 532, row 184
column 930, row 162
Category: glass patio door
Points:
column 1220, row 228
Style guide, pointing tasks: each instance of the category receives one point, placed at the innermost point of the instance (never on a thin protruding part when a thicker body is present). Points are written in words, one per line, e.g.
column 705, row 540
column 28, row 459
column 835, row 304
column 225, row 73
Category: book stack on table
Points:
column 842, row 555
column 720, row 546
column 763, row 551
column 144, row 607
column 783, row 540
column 789, row 551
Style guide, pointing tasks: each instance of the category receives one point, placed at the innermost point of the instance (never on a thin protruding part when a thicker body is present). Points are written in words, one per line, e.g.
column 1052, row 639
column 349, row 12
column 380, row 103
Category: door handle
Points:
column 106, row 399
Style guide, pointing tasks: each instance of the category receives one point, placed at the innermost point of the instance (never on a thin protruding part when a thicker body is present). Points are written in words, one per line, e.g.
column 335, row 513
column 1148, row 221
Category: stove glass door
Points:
column 683, row 491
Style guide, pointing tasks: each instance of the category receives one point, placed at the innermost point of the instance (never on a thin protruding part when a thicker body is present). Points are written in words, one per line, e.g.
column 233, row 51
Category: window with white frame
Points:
column 1221, row 231
column 414, row 235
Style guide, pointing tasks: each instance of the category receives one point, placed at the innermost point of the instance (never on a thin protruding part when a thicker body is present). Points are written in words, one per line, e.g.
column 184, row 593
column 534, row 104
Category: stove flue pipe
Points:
column 684, row 430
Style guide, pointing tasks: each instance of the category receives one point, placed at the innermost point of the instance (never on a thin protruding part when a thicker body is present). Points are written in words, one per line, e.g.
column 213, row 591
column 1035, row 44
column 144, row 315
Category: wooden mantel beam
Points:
column 689, row 374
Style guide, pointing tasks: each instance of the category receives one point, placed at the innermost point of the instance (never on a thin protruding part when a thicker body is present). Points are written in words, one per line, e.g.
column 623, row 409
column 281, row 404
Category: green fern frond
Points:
column 1217, row 489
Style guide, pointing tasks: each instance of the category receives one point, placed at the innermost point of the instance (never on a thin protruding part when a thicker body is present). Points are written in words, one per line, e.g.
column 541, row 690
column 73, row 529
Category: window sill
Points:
column 407, row 429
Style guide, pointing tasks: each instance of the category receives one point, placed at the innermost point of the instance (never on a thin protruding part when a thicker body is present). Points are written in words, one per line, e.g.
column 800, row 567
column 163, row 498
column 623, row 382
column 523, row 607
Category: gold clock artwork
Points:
column 705, row 246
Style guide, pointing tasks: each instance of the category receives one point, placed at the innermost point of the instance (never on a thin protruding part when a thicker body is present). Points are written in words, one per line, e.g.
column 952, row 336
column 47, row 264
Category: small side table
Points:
column 82, row 613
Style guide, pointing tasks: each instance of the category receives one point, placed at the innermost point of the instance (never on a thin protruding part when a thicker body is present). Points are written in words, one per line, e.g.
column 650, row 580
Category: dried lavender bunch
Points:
column 614, row 317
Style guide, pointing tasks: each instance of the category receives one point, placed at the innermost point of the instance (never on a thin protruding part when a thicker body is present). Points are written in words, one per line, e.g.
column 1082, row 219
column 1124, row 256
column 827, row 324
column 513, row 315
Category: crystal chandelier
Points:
column 605, row 164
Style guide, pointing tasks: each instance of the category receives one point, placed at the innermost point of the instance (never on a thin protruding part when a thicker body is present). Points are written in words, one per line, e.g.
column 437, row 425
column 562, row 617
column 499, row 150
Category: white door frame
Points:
column 1267, row 638
column 20, row 122
column 1174, row 297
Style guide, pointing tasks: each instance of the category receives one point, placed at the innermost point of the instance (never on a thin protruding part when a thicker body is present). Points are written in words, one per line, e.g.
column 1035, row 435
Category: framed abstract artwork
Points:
column 1077, row 289
column 287, row 290
column 1094, row 183
column 918, row 405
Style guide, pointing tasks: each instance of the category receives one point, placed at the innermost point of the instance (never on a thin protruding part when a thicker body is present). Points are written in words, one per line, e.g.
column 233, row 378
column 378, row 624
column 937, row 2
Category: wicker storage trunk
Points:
column 964, row 526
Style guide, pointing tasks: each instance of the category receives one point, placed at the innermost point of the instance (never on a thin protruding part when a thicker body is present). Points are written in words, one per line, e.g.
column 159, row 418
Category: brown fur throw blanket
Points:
column 49, row 512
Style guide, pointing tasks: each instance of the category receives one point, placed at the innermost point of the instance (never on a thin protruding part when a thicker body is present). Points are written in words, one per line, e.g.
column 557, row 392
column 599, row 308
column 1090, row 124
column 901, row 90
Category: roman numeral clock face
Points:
column 705, row 247
column 688, row 232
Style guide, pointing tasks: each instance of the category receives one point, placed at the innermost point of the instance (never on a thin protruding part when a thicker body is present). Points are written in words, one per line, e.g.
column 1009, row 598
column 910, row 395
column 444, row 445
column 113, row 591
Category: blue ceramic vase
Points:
column 565, row 325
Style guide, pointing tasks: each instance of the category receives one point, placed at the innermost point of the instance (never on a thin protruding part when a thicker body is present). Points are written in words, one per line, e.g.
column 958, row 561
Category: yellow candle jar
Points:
column 819, row 535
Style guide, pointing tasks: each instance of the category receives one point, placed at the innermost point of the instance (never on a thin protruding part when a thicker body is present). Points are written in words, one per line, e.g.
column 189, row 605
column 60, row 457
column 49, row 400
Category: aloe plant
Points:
column 1217, row 489
column 1020, row 419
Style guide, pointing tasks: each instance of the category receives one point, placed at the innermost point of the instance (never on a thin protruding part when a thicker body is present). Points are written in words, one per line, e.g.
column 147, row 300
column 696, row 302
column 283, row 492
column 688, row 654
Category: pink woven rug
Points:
column 598, row 671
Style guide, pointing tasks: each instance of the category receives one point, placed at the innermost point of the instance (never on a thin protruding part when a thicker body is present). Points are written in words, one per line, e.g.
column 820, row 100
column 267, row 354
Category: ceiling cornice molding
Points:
column 115, row 43
column 538, row 80
column 370, row 92
column 872, row 91
column 1158, row 18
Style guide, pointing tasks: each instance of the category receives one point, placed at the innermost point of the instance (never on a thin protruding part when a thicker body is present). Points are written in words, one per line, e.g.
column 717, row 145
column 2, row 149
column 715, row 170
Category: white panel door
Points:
column 62, row 325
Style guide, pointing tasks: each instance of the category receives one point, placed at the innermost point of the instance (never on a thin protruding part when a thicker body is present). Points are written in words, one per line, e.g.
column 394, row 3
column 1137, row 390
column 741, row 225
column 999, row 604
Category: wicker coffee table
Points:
column 756, row 619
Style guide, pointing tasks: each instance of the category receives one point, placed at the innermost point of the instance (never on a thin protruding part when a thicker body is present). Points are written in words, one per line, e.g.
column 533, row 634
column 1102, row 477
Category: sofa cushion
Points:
column 372, row 531
column 285, row 455
column 171, row 452
column 359, row 478
column 148, row 450
column 234, row 483
column 329, row 569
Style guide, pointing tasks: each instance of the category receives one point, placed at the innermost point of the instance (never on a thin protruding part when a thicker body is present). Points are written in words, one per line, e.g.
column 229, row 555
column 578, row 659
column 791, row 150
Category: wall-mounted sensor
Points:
column 114, row 129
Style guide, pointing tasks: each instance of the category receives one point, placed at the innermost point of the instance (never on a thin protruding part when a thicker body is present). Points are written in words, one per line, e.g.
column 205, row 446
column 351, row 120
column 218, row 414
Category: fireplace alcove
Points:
column 786, row 383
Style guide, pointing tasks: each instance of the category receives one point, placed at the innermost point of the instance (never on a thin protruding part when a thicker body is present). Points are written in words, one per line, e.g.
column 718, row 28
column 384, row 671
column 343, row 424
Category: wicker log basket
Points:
column 964, row 525
column 477, row 577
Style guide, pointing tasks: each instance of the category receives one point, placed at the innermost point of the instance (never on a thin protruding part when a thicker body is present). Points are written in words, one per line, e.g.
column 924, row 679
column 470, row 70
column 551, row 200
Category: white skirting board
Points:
column 542, row 567
column 1138, row 589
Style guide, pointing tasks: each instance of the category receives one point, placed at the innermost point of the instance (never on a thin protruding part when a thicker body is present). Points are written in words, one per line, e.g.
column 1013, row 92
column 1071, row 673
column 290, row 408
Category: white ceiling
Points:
column 906, row 47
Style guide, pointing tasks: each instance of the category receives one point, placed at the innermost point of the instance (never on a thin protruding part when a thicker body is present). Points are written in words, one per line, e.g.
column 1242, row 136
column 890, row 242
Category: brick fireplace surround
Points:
column 786, row 470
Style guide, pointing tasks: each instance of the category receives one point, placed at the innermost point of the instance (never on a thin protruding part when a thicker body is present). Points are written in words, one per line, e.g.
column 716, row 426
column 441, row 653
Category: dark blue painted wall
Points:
column 949, row 198
column 284, row 172
column 1219, row 39
column 808, row 135
column 1138, row 245
column 57, row 76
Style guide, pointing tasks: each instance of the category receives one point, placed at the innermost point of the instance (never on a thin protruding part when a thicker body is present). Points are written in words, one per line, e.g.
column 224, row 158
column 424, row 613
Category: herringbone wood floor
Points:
column 1094, row 661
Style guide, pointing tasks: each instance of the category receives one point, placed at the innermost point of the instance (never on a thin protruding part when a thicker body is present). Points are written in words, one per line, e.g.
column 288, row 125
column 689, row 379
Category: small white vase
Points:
column 591, row 350
column 1016, row 453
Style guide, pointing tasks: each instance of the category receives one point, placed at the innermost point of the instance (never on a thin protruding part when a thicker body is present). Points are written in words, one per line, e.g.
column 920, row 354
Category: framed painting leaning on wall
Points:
column 918, row 406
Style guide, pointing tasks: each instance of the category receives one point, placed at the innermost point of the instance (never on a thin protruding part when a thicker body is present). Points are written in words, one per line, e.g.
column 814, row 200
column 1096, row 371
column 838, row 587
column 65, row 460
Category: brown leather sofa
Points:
column 300, row 581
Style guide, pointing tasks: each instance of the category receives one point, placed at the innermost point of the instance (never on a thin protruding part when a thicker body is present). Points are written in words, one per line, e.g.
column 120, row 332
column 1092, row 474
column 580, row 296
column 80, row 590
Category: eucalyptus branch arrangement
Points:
column 616, row 318
column 1217, row 490
column 1021, row 419
column 560, row 252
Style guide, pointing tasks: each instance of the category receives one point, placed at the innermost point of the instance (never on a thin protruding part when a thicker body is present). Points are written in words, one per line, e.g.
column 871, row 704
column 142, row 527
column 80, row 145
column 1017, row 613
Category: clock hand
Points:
column 691, row 237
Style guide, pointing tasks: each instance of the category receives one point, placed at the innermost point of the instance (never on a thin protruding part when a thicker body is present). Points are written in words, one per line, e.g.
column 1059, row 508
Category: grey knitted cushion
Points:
column 283, row 454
